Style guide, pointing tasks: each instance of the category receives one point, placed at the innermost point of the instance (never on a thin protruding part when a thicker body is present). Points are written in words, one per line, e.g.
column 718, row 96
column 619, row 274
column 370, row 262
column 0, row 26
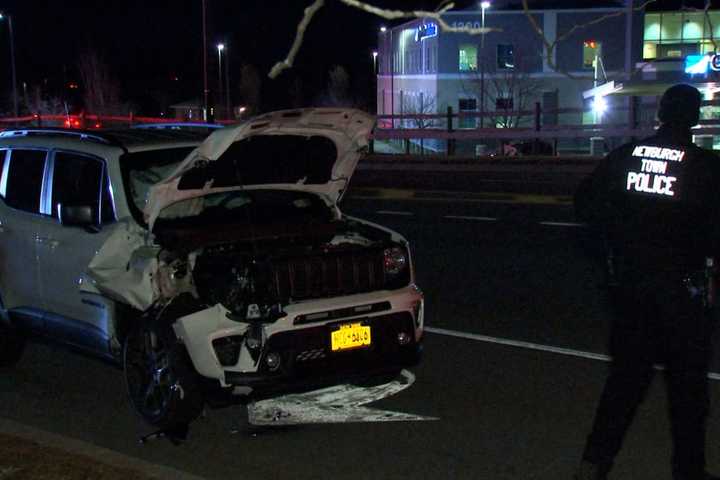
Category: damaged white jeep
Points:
column 215, row 267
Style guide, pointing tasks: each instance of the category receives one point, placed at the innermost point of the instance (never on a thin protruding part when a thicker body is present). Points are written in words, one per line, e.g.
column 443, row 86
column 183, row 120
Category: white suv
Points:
column 221, row 265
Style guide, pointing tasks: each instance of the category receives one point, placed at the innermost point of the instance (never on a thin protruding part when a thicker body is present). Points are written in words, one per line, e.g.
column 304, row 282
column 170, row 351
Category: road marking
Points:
column 535, row 346
column 562, row 224
column 337, row 404
column 467, row 217
column 392, row 212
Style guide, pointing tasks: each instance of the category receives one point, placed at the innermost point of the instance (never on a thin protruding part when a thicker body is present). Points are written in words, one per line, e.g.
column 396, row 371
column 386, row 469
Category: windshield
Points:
column 141, row 170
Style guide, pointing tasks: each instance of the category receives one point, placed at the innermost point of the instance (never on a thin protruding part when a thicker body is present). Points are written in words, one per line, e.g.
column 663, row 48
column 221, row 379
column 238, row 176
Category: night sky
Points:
column 149, row 44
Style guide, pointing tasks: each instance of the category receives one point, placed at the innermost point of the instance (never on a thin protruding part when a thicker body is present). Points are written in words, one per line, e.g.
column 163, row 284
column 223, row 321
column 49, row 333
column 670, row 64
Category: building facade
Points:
column 678, row 47
column 423, row 69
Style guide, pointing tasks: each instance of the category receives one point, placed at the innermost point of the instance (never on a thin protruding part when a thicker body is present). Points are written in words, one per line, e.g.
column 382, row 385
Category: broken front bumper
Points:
column 296, row 349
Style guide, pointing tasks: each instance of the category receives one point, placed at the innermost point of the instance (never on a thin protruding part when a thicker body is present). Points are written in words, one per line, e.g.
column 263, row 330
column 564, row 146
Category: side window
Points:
column 76, row 181
column 25, row 178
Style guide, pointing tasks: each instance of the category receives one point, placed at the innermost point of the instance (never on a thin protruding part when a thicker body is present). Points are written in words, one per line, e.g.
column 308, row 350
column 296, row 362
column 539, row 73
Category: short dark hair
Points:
column 680, row 105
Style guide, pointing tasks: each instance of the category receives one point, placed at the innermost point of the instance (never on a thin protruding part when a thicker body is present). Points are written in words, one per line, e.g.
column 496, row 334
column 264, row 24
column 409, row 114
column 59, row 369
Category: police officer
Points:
column 657, row 204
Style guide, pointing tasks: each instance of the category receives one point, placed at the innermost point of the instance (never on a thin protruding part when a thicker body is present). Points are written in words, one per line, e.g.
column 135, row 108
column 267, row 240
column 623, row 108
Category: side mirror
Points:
column 78, row 216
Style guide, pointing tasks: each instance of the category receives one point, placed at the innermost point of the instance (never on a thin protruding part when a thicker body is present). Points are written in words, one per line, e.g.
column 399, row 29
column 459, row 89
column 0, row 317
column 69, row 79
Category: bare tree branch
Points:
column 599, row 20
column 310, row 12
column 550, row 46
column 436, row 15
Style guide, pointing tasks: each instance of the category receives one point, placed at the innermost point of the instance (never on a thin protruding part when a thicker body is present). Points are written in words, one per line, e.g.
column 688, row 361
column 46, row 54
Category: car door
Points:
column 21, row 186
column 82, row 319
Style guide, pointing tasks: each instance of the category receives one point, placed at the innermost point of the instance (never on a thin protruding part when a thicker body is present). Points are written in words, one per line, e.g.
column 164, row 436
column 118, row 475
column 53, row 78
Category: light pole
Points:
column 374, row 55
column 383, row 29
column 12, row 62
column 227, row 85
column 220, row 49
column 204, row 61
column 483, row 6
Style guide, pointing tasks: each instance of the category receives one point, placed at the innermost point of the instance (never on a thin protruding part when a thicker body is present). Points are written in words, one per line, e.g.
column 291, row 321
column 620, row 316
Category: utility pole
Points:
column 204, row 60
column 228, row 107
column 218, row 97
column 12, row 62
column 628, row 38
column 483, row 6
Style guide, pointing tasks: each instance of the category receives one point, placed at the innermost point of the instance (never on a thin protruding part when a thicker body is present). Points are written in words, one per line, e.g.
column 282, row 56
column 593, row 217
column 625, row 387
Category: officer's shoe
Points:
column 590, row 471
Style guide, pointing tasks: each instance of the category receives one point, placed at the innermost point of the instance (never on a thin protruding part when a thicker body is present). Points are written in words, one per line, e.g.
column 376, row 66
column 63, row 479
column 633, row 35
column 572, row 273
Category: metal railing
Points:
column 625, row 122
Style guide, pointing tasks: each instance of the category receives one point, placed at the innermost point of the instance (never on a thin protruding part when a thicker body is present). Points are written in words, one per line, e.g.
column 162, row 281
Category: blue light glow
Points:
column 426, row 30
column 697, row 64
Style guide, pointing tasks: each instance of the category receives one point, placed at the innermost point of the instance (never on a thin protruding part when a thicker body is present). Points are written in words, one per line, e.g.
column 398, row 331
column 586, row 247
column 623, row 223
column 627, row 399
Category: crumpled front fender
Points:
column 124, row 266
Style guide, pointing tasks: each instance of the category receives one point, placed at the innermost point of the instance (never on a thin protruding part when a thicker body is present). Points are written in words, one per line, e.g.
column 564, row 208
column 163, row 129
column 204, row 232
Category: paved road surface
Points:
column 491, row 272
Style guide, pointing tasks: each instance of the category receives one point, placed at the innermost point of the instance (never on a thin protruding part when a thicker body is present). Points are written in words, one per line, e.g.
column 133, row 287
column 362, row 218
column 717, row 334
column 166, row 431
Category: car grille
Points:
column 329, row 274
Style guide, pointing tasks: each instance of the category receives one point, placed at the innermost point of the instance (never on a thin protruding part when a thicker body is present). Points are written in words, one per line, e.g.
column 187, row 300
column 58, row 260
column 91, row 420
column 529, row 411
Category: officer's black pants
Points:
column 657, row 321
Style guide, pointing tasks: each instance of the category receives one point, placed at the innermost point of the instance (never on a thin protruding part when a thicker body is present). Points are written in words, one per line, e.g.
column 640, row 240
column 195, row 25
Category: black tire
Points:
column 12, row 345
column 163, row 387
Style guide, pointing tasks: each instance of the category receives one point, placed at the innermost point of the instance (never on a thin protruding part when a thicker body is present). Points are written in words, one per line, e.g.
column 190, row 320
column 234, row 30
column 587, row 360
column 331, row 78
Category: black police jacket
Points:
column 656, row 200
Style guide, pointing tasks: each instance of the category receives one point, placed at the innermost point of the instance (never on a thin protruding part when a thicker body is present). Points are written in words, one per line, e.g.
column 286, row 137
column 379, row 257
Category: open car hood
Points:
column 314, row 149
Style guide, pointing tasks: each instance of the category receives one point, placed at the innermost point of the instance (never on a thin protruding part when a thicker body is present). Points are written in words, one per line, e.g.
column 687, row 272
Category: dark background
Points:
column 154, row 48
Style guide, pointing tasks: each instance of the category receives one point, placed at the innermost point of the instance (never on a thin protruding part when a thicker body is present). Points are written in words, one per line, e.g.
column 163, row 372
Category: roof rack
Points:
column 49, row 131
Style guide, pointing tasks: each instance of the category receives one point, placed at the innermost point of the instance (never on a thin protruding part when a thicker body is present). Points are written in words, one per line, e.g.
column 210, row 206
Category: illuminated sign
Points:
column 702, row 64
column 426, row 30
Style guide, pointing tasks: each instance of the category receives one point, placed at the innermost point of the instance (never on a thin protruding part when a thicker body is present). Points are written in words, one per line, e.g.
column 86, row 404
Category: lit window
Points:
column 692, row 28
column 505, row 57
column 671, row 27
column 649, row 50
column 652, row 27
column 468, row 58
column 591, row 50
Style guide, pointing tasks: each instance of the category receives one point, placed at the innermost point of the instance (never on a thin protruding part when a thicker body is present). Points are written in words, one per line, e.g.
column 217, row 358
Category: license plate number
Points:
column 349, row 336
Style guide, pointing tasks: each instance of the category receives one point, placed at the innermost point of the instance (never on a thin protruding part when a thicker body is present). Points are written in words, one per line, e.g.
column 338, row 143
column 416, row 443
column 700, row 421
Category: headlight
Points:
column 396, row 261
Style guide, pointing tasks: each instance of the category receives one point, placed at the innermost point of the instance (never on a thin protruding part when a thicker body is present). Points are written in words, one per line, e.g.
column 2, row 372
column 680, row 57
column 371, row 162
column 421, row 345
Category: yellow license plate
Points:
column 349, row 336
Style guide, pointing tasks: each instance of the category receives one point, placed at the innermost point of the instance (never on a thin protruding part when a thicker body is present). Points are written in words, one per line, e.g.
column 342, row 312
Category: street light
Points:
column 206, row 116
column 12, row 62
column 220, row 49
column 383, row 29
column 599, row 107
column 483, row 6
column 374, row 55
